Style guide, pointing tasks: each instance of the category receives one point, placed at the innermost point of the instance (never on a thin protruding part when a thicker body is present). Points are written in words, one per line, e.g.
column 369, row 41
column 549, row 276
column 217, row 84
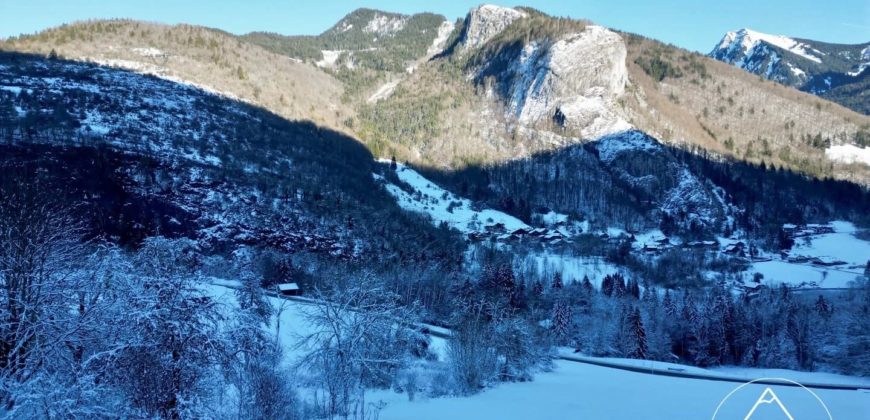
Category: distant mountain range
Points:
column 838, row 72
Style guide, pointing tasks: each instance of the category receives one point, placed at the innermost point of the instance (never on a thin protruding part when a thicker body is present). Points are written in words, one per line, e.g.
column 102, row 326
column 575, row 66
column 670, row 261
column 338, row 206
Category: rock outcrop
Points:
column 485, row 22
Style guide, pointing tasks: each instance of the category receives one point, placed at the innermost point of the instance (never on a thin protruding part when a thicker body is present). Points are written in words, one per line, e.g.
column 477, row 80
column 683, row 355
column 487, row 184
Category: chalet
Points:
column 553, row 236
column 289, row 289
column 799, row 259
column 737, row 248
column 653, row 249
column 827, row 262
column 701, row 244
column 496, row 228
column 539, row 232
column 820, row 229
column 521, row 232
column 476, row 236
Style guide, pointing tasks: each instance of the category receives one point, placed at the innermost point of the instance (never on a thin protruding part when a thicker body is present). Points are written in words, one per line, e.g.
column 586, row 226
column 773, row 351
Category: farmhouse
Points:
column 289, row 289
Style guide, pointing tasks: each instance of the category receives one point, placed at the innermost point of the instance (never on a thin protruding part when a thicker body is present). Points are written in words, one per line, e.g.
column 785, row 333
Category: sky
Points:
column 695, row 25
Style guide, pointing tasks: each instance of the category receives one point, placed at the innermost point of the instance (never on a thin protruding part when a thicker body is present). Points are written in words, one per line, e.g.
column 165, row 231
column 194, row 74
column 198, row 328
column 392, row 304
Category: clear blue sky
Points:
column 695, row 25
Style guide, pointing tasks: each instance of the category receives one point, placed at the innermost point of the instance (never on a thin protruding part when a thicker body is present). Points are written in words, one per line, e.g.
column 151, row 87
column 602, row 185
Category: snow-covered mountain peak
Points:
column 736, row 46
column 486, row 21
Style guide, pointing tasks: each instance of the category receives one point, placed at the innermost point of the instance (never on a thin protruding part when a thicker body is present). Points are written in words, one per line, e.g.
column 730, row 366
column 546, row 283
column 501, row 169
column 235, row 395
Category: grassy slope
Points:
column 729, row 111
column 204, row 56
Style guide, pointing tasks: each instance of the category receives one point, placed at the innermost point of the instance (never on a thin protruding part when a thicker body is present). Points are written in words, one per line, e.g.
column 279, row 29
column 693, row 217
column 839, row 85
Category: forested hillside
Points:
column 208, row 58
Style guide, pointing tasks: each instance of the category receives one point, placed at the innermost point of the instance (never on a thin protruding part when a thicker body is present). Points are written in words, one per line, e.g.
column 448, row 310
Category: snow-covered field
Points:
column 581, row 391
column 577, row 390
column 842, row 245
column 572, row 268
column 444, row 206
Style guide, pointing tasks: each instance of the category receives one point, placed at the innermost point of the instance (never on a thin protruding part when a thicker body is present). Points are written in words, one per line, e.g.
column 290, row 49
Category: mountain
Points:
column 211, row 59
column 573, row 117
column 541, row 83
column 833, row 71
column 142, row 156
column 364, row 38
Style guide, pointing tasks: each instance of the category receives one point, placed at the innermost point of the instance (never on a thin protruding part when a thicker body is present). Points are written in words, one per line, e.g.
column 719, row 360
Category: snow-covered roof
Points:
column 288, row 287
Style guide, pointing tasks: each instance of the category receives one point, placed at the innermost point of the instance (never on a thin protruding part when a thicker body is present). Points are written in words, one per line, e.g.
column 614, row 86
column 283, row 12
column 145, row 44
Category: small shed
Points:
column 289, row 289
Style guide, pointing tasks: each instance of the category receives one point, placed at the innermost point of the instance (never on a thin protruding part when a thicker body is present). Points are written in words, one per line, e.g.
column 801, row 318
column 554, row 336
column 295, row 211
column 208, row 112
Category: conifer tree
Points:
column 561, row 323
column 635, row 324
column 633, row 288
column 538, row 288
column 557, row 281
column 588, row 289
column 619, row 287
column 822, row 307
column 669, row 304
column 607, row 285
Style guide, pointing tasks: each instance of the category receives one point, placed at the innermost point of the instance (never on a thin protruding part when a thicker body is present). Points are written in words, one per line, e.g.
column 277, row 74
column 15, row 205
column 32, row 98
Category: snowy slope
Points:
column 578, row 390
column 445, row 207
column 842, row 245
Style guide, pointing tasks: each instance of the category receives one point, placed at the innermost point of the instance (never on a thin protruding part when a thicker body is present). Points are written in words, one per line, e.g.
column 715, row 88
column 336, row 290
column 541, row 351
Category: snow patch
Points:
column 149, row 52
column 865, row 55
column 383, row 92
column 445, row 207
column 848, row 153
column 329, row 58
column 384, row 25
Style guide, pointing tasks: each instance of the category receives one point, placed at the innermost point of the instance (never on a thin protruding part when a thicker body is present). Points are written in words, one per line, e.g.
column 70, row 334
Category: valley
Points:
column 509, row 215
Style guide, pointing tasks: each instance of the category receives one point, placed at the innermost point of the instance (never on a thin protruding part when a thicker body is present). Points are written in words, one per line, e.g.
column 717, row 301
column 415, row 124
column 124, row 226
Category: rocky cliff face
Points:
column 572, row 82
column 567, row 81
column 485, row 22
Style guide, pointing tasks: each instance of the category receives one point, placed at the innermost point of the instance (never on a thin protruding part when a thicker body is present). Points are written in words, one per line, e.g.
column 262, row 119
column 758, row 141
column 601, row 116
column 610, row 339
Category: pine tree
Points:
column 633, row 288
column 393, row 164
column 561, row 323
column 607, row 285
column 588, row 289
column 619, row 287
column 518, row 296
column 635, row 322
column 670, row 305
column 557, row 281
column 822, row 307
column 538, row 288
column 650, row 296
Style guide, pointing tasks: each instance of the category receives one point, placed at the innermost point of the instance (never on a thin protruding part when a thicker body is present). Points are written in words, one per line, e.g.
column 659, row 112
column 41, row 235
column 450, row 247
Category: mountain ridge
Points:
column 821, row 68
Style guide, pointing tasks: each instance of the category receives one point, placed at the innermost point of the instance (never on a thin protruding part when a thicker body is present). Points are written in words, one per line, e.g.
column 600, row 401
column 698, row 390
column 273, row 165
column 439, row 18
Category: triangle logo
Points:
column 769, row 397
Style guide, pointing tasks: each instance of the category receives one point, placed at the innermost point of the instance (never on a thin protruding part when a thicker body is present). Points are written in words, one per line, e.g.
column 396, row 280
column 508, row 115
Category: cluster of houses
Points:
column 799, row 231
column 498, row 233
column 820, row 261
